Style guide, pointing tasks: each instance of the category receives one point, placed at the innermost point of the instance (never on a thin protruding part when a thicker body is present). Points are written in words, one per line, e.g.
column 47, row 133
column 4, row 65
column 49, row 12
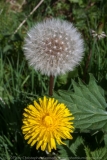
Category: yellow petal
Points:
column 33, row 142
column 39, row 144
column 43, row 146
column 53, row 144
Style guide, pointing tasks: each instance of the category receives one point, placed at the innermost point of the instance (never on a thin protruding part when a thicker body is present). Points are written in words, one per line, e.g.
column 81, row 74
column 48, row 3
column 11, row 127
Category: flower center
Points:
column 54, row 46
column 47, row 120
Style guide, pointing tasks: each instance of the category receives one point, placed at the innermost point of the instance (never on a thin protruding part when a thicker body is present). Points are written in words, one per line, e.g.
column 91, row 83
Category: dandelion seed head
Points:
column 53, row 47
column 98, row 35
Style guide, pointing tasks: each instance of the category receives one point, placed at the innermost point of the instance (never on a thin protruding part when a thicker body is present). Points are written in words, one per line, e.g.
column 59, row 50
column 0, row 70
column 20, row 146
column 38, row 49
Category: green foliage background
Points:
column 84, row 94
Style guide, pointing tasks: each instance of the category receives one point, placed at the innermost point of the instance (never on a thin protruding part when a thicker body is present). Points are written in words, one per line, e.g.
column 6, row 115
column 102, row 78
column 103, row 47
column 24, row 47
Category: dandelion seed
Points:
column 47, row 123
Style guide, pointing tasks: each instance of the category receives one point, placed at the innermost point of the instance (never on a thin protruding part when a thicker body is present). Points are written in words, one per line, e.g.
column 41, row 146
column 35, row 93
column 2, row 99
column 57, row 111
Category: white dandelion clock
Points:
column 53, row 47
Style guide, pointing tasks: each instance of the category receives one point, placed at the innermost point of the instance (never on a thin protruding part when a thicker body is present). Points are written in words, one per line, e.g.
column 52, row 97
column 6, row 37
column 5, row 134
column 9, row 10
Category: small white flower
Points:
column 53, row 47
column 98, row 35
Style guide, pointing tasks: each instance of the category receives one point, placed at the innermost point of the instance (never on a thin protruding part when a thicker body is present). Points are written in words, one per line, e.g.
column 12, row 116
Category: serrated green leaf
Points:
column 76, row 88
column 88, row 155
column 97, row 154
column 70, row 149
column 87, row 105
column 64, row 151
column 97, row 91
column 74, row 146
column 64, row 96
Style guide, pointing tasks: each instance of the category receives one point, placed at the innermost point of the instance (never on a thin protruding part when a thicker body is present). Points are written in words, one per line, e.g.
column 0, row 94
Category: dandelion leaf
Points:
column 87, row 104
column 100, row 153
column 70, row 149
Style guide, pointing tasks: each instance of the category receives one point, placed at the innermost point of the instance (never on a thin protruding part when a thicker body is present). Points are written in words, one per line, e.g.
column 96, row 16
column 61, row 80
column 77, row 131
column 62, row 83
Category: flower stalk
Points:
column 51, row 85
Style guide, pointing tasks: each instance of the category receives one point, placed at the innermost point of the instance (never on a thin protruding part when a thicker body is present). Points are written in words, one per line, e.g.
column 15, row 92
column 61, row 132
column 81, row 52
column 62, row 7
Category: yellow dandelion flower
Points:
column 47, row 123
